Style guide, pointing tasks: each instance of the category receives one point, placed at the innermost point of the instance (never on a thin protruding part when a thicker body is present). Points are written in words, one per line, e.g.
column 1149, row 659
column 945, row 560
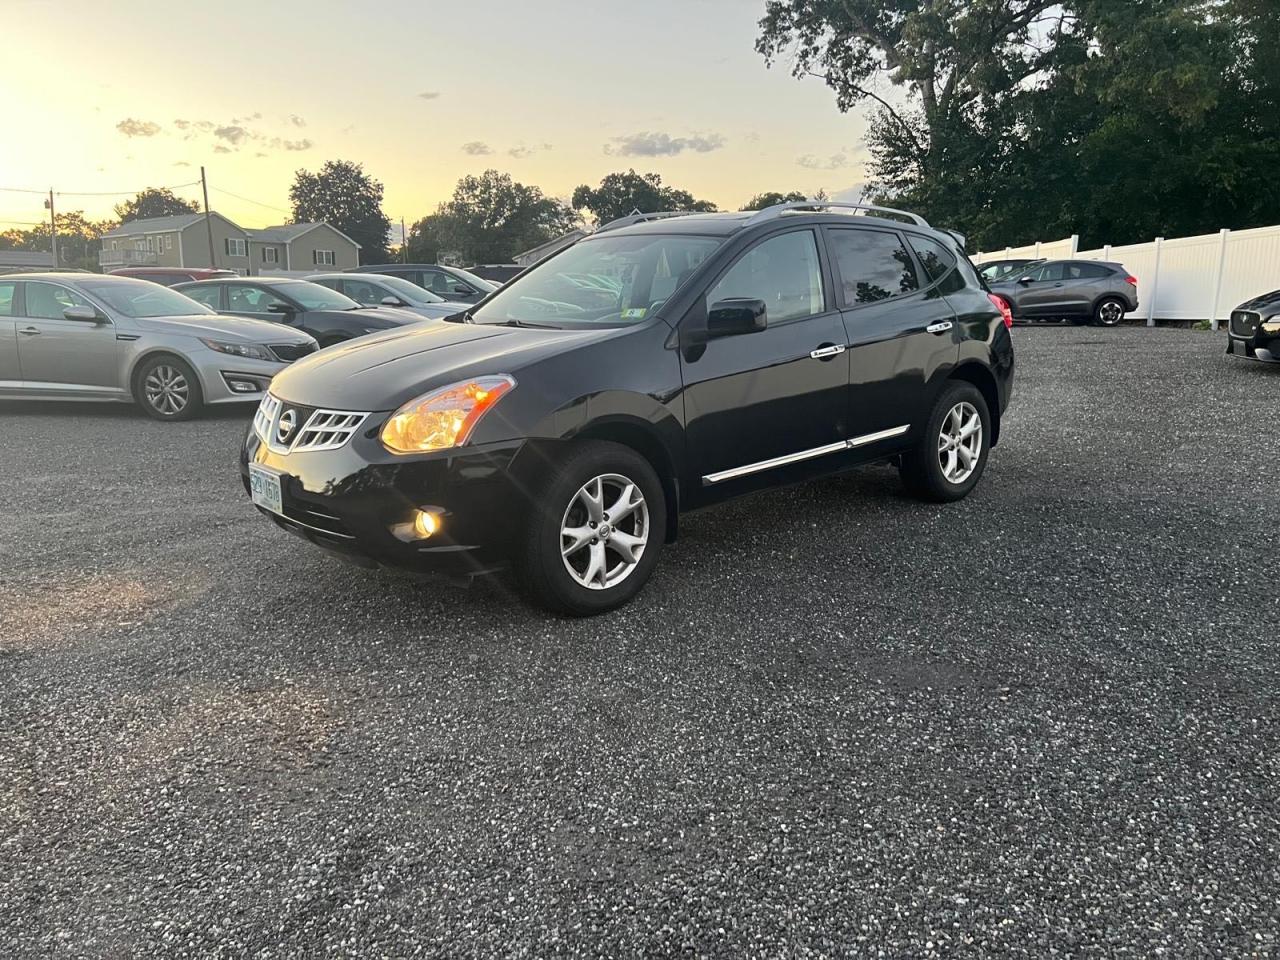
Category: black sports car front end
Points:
column 1254, row 329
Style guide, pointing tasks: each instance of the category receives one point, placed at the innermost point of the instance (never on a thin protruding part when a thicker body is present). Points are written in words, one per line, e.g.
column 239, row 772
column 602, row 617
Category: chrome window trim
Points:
column 809, row 454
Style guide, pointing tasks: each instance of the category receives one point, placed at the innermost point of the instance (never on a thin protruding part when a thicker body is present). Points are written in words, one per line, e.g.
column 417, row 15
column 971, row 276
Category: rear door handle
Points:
column 825, row 353
column 940, row 327
column 30, row 331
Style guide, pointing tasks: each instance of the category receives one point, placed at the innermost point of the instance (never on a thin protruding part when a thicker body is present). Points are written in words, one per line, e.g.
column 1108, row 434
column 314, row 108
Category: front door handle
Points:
column 30, row 331
column 827, row 351
column 940, row 327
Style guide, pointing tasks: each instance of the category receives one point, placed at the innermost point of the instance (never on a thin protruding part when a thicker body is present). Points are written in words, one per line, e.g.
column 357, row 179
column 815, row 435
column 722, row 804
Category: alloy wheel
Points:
column 960, row 442
column 604, row 531
column 1110, row 313
column 166, row 389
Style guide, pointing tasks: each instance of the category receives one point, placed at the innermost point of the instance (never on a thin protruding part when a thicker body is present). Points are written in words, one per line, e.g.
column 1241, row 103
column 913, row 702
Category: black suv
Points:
column 665, row 363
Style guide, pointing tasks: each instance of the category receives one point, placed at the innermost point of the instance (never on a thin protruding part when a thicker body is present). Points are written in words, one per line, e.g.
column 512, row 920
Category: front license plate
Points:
column 264, row 487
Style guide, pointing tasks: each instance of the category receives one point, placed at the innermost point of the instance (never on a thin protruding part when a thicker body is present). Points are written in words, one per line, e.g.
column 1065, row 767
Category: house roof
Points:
column 25, row 258
column 288, row 232
column 135, row 228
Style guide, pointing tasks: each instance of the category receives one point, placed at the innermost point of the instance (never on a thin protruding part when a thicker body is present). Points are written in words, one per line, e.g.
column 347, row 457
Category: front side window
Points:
column 142, row 298
column 6, row 299
column 312, row 296
column 362, row 291
column 242, row 297
column 410, row 292
column 46, row 301
column 782, row 271
column 205, row 293
column 606, row 281
column 873, row 265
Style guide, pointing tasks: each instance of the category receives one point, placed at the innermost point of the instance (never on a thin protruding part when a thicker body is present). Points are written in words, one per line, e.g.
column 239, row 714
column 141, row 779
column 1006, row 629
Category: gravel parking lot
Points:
column 1041, row 722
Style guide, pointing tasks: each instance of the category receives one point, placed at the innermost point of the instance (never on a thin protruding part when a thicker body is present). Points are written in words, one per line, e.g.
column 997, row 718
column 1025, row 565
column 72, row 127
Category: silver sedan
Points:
column 76, row 336
column 377, row 289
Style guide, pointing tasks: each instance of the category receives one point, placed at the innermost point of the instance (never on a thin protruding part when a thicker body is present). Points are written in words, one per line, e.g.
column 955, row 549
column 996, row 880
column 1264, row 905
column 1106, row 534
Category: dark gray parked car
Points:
column 1079, row 290
column 993, row 270
column 451, row 283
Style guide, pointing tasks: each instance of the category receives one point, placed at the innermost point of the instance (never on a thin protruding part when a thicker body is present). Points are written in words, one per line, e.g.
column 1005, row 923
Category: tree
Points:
column 79, row 239
column 154, row 202
column 345, row 197
column 772, row 198
column 489, row 219
column 621, row 194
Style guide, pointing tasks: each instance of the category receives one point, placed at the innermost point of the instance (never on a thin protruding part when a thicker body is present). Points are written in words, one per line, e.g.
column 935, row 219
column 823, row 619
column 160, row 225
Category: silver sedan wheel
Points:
column 604, row 531
column 1110, row 313
column 960, row 442
column 166, row 389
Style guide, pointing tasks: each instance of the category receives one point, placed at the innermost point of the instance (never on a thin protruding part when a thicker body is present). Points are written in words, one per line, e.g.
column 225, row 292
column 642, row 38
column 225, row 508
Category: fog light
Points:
column 426, row 523
column 242, row 386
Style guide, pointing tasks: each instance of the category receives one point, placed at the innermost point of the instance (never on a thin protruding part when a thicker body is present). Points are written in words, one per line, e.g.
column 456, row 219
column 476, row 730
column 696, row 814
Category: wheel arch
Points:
column 644, row 439
column 150, row 353
column 982, row 378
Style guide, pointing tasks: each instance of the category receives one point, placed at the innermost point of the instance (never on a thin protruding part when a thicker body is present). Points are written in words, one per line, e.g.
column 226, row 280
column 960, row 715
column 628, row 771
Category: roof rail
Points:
column 778, row 209
column 644, row 217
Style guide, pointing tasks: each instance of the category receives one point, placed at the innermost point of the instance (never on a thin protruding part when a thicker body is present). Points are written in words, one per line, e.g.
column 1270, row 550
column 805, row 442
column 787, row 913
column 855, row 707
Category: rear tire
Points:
column 1109, row 312
column 167, row 388
column 595, row 529
column 950, row 454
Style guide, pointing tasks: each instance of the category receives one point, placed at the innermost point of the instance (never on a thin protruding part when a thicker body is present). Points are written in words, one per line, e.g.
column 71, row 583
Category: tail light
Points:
column 1002, row 305
column 1132, row 280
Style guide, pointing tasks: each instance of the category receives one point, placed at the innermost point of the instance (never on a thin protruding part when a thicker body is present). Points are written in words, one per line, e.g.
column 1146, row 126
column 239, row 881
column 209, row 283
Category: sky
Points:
column 139, row 93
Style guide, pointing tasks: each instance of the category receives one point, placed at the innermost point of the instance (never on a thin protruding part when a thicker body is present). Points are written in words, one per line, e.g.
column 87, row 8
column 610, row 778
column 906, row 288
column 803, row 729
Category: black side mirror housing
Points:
column 392, row 302
column 280, row 308
column 730, row 318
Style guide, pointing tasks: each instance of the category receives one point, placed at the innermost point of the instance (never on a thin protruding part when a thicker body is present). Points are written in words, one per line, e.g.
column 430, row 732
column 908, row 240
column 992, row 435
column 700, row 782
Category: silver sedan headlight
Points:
column 250, row 351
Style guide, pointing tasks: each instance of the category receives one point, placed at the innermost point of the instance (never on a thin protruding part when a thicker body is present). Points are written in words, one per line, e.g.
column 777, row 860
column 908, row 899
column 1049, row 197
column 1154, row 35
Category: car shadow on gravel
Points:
column 107, row 410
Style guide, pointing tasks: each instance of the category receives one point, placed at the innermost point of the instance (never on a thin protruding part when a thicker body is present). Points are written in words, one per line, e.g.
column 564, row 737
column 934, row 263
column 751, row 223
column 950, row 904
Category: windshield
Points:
column 312, row 296
column 142, row 298
column 608, row 281
column 409, row 292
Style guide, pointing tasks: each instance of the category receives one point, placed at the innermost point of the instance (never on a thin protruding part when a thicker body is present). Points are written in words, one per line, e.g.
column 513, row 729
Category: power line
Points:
column 258, row 203
column 97, row 193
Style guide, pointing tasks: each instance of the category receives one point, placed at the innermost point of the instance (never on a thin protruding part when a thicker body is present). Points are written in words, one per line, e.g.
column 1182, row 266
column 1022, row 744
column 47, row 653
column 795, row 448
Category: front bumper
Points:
column 1263, row 346
column 357, row 500
column 220, row 374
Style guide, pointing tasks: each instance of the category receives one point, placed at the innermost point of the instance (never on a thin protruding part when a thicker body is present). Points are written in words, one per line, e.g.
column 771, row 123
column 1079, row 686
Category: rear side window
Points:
column 782, row 271
column 1052, row 271
column 1086, row 271
column 6, row 299
column 936, row 259
column 873, row 265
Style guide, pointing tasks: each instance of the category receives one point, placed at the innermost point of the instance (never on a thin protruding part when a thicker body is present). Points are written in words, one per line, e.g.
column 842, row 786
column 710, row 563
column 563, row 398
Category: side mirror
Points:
column 392, row 302
column 279, row 308
column 463, row 289
column 1024, row 279
column 729, row 318
column 83, row 314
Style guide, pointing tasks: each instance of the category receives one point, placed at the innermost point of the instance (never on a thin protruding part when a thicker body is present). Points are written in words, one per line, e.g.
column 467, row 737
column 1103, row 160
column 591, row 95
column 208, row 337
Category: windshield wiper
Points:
column 527, row 325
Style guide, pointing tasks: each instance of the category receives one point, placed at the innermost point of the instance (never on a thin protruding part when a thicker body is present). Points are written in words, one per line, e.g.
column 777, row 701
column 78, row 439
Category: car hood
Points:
column 384, row 370
column 1266, row 302
column 230, row 329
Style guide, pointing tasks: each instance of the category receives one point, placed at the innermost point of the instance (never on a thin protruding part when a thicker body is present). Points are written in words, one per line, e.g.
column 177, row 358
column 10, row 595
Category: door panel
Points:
column 10, row 372
column 893, row 353
column 760, row 397
column 65, row 355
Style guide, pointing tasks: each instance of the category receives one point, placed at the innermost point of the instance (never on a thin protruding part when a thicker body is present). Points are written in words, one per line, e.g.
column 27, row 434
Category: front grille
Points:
column 289, row 352
column 320, row 430
column 1244, row 323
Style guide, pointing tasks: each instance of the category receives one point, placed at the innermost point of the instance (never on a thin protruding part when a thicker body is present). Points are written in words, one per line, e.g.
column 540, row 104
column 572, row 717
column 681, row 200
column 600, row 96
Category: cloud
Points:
column 477, row 148
column 853, row 194
column 260, row 154
column 296, row 120
column 833, row 162
column 429, row 95
column 232, row 133
column 662, row 144
column 280, row 144
column 182, row 124
column 520, row 151
column 181, row 163
column 138, row 128
column 219, row 148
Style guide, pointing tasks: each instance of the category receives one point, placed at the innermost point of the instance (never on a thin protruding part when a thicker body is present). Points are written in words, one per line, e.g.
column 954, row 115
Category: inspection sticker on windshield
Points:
column 635, row 313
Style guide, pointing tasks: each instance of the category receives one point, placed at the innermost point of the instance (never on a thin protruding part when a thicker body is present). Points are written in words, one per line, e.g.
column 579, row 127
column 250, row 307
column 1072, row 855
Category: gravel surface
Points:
column 1041, row 722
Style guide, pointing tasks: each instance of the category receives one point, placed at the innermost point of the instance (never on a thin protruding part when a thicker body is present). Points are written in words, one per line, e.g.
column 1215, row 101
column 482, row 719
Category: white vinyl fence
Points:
column 1187, row 278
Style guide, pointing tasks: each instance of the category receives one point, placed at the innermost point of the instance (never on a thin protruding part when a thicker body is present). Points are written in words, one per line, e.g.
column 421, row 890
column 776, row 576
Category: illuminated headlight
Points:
column 249, row 351
column 445, row 417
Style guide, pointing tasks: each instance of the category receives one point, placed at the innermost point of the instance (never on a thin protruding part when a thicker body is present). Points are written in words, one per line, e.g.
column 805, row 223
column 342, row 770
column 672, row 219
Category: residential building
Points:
column 182, row 240
column 14, row 261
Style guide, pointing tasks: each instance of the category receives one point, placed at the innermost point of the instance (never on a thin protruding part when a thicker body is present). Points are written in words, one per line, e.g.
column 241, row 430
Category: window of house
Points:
column 168, row 241
column 782, row 271
column 235, row 247
column 873, row 265
column 323, row 258
column 270, row 255
column 151, row 244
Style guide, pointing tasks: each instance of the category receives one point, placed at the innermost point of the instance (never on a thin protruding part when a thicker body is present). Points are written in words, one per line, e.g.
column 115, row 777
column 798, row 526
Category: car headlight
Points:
column 249, row 351
column 445, row 417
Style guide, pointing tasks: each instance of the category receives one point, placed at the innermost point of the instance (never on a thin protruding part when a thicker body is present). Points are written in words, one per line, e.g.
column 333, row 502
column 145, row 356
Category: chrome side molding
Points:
column 809, row 454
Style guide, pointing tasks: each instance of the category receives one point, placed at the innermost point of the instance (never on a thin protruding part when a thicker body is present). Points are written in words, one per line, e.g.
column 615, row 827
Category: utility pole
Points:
column 208, row 224
column 53, row 228
column 404, row 243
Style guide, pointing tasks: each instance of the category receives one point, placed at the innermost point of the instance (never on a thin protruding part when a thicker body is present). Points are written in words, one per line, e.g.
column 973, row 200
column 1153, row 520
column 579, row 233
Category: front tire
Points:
column 596, row 526
column 167, row 388
column 1109, row 312
column 951, row 453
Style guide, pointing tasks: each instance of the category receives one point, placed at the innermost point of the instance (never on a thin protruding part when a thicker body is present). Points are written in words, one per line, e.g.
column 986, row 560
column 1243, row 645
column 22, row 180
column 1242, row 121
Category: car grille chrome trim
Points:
column 289, row 352
column 809, row 454
column 323, row 429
